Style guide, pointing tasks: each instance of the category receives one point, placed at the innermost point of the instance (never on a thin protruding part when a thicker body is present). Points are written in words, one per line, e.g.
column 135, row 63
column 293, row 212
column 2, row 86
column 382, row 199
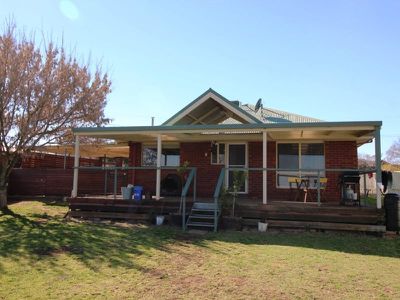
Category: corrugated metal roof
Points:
column 271, row 115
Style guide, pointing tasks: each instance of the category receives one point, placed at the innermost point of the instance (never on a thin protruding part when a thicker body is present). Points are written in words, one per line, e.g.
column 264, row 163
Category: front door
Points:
column 237, row 158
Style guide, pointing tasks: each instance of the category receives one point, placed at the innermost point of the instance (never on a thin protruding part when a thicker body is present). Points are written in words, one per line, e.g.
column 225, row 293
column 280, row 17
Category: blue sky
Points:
column 333, row 60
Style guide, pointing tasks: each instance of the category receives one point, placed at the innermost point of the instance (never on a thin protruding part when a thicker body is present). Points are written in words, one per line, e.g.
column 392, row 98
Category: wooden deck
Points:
column 279, row 214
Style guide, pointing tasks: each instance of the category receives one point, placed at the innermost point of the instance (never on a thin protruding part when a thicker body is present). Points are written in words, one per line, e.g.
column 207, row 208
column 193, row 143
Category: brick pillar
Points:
column 255, row 177
column 135, row 159
column 338, row 155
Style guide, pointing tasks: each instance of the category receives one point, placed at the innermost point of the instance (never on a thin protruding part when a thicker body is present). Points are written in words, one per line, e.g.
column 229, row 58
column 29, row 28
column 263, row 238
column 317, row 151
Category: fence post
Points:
column 215, row 214
column 319, row 187
column 183, row 213
column 194, row 185
column 115, row 182
column 365, row 189
column 105, row 182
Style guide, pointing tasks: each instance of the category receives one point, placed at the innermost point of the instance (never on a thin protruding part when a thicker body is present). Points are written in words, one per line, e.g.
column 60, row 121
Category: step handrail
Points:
column 217, row 193
column 182, row 207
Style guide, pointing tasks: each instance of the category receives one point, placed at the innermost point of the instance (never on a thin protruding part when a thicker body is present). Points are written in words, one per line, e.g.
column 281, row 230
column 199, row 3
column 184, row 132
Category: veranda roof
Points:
column 359, row 131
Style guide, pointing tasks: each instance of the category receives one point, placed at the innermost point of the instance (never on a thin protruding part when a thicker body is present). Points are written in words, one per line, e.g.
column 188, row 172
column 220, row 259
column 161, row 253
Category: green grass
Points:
column 44, row 256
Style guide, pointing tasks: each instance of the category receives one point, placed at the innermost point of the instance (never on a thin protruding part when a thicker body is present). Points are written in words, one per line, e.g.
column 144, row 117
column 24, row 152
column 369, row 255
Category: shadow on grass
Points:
column 40, row 236
column 345, row 242
column 36, row 235
column 56, row 203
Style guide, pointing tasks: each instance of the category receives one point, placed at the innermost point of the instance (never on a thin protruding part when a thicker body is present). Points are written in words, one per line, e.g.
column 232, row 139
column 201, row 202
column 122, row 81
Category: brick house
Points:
column 213, row 133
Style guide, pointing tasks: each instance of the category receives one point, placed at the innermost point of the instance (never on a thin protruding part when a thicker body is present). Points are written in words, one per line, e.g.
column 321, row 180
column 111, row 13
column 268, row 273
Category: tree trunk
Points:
column 3, row 197
column 5, row 169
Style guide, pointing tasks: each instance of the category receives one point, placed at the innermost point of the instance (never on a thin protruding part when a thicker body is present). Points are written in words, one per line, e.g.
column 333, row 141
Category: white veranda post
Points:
column 158, row 173
column 74, row 192
column 378, row 167
column 264, row 154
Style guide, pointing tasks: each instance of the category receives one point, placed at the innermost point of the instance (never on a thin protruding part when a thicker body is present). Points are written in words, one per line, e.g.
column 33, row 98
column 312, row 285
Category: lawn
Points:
column 44, row 256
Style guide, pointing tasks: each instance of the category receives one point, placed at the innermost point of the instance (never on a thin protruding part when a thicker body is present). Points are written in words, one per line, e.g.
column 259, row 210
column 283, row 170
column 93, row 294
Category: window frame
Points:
column 218, row 154
column 295, row 173
column 163, row 163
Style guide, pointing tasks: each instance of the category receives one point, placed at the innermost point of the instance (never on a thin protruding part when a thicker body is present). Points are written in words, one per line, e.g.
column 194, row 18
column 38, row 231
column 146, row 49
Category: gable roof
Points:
column 217, row 108
column 213, row 108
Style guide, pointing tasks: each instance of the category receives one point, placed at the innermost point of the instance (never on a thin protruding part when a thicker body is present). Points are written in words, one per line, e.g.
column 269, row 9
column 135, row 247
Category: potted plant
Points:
column 182, row 171
column 228, row 202
column 239, row 178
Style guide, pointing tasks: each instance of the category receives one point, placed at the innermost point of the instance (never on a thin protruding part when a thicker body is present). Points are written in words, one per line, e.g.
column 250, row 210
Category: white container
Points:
column 262, row 227
column 349, row 193
column 159, row 220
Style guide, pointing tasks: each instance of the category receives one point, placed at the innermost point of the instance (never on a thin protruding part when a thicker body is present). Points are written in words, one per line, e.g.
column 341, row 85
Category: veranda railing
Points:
column 317, row 173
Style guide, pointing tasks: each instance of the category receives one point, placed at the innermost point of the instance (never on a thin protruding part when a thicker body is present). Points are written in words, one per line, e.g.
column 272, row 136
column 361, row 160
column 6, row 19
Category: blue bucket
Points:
column 137, row 192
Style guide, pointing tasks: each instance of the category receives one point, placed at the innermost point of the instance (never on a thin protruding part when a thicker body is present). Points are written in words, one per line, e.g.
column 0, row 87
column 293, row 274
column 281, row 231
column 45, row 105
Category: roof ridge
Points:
column 286, row 112
column 285, row 115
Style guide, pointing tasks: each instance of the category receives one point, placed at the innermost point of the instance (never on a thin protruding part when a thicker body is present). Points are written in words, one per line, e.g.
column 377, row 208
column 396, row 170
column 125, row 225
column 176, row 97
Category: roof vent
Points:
column 235, row 102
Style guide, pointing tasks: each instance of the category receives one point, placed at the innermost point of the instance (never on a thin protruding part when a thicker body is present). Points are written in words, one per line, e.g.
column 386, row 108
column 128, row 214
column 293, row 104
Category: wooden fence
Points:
column 58, row 182
column 43, row 161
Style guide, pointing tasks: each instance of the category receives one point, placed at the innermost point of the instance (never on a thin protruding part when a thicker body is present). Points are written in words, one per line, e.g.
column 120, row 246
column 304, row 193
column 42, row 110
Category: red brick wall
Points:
column 145, row 177
column 337, row 155
column 199, row 155
column 135, row 160
column 255, row 161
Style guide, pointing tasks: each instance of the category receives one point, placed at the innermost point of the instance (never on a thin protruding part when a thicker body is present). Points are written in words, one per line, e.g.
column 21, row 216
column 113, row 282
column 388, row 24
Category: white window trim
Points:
column 293, row 142
column 211, row 156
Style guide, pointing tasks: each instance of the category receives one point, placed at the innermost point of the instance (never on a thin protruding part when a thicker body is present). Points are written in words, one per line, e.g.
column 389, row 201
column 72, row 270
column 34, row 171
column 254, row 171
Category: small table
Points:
column 302, row 185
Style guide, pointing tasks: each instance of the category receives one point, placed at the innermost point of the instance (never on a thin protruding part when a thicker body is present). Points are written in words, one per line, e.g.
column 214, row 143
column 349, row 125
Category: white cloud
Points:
column 69, row 9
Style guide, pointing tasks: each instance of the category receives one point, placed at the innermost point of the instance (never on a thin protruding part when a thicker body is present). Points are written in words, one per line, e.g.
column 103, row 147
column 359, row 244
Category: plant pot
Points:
column 262, row 227
column 159, row 220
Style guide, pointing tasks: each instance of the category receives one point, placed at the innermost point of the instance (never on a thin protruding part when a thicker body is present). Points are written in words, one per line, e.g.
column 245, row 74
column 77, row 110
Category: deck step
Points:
column 204, row 205
column 327, row 226
column 200, row 224
column 203, row 209
column 197, row 216
column 203, row 215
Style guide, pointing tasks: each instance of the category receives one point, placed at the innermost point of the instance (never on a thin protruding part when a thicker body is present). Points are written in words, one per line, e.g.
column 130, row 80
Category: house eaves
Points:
column 227, row 127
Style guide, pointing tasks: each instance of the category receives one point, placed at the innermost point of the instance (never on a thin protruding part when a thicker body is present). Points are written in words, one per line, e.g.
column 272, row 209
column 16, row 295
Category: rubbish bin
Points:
column 126, row 193
column 392, row 211
column 137, row 192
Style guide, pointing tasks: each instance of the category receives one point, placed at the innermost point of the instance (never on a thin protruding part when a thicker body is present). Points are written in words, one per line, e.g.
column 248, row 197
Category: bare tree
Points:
column 393, row 153
column 366, row 160
column 43, row 93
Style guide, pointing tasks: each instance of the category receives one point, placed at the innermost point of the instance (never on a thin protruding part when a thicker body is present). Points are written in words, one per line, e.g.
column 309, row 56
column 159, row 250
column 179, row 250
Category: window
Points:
column 217, row 154
column 169, row 157
column 295, row 156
